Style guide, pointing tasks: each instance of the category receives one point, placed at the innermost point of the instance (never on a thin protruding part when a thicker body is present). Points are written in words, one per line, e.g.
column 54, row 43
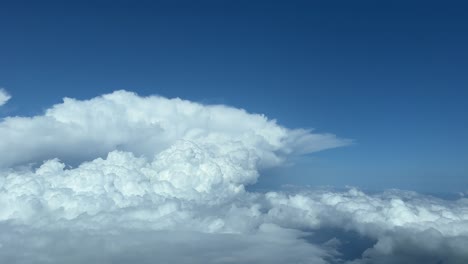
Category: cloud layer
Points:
column 163, row 180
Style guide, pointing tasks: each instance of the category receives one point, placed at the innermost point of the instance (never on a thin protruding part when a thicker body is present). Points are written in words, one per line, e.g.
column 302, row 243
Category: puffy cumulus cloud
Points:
column 178, row 179
column 163, row 181
column 4, row 96
column 129, row 209
column 76, row 131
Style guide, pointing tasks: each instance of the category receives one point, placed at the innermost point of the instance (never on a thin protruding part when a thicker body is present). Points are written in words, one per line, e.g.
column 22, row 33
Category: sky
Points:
column 233, row 132
column 391, row 76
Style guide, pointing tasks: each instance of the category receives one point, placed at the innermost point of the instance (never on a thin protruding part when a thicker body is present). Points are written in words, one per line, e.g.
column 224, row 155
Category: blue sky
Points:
column 392, row 76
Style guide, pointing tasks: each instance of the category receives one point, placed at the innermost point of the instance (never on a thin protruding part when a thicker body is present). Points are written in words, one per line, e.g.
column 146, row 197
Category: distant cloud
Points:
column 4, row 97
column 163, row 181
column 408, row 227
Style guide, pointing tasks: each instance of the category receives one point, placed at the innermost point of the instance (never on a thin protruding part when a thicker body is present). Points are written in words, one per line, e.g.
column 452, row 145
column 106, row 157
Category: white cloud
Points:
column 408, row 228
column 269, row 245
column 4, row 97
column 76, row 131
column 164, row 182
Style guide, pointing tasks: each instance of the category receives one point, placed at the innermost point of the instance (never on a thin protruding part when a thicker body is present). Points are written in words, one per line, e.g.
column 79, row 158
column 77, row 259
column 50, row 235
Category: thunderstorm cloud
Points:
column 122, row 178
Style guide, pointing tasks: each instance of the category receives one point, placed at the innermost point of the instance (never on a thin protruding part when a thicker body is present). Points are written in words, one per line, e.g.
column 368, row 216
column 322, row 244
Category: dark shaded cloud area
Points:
column 162, row 180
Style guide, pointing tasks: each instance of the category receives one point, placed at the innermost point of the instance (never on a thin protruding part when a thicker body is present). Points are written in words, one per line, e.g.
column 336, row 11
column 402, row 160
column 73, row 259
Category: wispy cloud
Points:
column 4, row 96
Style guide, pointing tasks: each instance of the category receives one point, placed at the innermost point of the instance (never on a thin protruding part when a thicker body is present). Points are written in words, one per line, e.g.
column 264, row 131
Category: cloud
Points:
column 268, row 245
column 407, row 227
column 162, row 180
column 4, row 97
column 76, row 131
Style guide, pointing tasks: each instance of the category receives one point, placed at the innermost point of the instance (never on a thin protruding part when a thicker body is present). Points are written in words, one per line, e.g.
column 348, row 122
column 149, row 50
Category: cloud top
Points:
column 4, row 96
column 76, row 130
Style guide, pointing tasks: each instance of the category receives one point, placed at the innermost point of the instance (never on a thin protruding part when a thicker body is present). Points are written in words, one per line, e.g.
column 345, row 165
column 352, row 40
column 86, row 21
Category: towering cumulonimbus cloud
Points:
column 155, row 180
column 153, row 147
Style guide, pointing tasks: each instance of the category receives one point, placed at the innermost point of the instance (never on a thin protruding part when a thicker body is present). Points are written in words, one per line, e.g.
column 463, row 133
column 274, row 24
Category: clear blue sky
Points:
column 393, row 76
